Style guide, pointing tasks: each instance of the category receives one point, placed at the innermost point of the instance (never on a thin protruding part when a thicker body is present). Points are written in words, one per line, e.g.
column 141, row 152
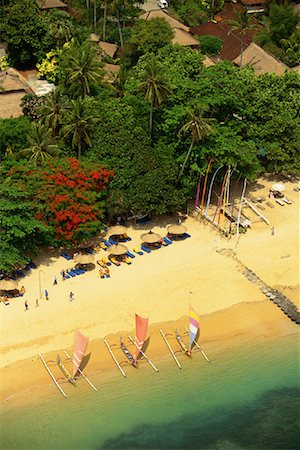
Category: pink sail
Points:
column 80, row 346
column 141, row 327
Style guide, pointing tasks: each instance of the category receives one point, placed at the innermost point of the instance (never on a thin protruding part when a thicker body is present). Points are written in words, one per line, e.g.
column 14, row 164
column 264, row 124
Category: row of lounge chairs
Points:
column 74, row 272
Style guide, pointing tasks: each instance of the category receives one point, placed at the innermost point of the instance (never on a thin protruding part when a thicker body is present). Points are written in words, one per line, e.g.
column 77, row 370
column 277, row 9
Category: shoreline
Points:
column 221, row 330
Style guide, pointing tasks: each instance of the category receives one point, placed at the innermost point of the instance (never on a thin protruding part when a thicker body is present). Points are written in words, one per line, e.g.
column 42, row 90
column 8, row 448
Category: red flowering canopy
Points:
column 71, row 199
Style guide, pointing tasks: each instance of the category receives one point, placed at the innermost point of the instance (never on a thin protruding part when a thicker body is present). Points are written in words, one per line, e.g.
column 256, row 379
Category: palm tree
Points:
column 41, row 147
column 155, row 87
column 116, row 7
column 118, row 85
column 61, row 29
column 241, row 25
column 82, row 68
column 197, row 127
column 53, row 111
column 79, row 124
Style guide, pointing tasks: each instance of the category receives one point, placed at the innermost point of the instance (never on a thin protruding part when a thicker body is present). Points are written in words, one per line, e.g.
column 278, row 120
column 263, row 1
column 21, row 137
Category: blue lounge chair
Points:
column 66, row 256
column 129, row 238
column 131, row 255
column 105, row 228
column 89, row 251
column 167, row 240
column 111, row 241
column 32, row 265
column 77, row 271
column 73, row 274
column 27, row 267
column 187, row 235
column 108, row 244
column 20, row 273
column 146, row 249
column 67, row 276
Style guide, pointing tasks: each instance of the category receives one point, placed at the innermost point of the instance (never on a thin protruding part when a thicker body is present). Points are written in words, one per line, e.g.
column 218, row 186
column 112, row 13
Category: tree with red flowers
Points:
column 71, row 199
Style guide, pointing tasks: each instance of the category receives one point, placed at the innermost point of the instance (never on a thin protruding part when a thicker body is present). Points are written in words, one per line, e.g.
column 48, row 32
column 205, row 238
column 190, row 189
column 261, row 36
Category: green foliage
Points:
column 41, row 145
column 19, row 230
column 192, row 12
column 145, row 176
column 151, row 35
column 81, row 69
column 283, row 22
column 31, row 105
column 4, row 63
column 48, row 68
column 210, row 45
column 61, row 29
column 25, row 29
column 292, row 49
column 13, row 134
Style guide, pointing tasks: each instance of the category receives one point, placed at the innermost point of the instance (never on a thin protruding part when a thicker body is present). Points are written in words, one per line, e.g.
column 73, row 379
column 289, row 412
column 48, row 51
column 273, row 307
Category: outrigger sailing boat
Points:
column 194, row 327
column 141, row 327
column 80, row 346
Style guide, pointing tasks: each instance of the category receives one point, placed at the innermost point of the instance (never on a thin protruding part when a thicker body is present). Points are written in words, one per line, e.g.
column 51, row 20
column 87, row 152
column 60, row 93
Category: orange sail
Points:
column 141, row 327
column 80, row 346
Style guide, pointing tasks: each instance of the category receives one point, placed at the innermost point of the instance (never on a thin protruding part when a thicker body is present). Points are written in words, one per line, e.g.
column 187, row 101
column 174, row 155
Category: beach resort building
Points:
column 13, row 88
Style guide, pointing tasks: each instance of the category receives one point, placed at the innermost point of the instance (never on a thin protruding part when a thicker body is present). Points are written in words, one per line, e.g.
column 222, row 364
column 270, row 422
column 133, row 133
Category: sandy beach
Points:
column 160, row 286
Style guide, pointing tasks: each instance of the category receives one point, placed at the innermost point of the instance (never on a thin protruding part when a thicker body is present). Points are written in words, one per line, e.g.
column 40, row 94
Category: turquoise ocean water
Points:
column 248, row 398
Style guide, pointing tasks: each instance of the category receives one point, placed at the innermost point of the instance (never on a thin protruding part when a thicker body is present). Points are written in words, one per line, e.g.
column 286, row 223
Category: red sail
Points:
column 80, row 346
column 141, row 327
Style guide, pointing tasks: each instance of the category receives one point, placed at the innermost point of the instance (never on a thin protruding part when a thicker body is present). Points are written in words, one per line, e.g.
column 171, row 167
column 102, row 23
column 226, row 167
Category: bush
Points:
column 13, row 134
column 210, row 44
column 193, row 13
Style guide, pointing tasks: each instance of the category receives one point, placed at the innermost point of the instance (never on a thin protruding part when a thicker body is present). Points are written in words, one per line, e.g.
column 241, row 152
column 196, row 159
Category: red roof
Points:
column 253, row 2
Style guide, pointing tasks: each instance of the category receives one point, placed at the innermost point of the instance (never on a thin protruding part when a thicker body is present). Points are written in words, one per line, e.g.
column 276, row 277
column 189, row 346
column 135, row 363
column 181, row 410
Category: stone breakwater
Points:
column 284, row 303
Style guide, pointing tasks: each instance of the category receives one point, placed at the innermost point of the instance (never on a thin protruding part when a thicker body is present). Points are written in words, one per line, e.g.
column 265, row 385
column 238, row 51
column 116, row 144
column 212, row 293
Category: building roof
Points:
column 159, row 13
column 11, row 80
column 261, row 61
column 10, row 104
column 253, row 2
column 111, row 70
column 182, row 37
column 207, row 62
column 51, row 4
column 107, row 48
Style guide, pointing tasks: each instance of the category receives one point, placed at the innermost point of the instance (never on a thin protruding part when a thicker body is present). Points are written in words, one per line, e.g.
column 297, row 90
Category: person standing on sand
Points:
column 46, row 295
column 37, row 303
column 26, row 305
column 71, row 296
column 55, row 280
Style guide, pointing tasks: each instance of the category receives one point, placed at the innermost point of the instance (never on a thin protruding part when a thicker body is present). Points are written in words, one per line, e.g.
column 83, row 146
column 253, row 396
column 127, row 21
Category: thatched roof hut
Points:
column 158, row 13
column 111, row 71
column 51, row 4
column 261, row 61
column 108, row 49
column 13, row 88
column 183, row 37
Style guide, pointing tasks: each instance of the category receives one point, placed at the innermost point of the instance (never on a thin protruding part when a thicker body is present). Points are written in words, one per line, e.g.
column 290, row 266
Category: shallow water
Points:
column 247, row 398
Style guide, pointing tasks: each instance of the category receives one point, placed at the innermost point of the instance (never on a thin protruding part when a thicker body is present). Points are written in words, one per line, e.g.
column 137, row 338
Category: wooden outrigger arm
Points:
column 143, row 354
column 52, row 376
column 82, row 374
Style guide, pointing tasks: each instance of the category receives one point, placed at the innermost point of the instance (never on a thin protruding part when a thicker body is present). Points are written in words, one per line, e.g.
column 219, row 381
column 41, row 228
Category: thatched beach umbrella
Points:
column 8, row 285
column 117, row 230
column 84, row 259
column 150, row 238
column 176, row 229
column 117, row 249
column 278, row 187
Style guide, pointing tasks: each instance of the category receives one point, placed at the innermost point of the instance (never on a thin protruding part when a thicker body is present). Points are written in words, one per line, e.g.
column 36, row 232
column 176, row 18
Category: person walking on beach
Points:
column 46, row 295
column 37, row 303
column 55, row 280
column 71, row 296
column 272, row 231
column 63, row 274
column 26, row 305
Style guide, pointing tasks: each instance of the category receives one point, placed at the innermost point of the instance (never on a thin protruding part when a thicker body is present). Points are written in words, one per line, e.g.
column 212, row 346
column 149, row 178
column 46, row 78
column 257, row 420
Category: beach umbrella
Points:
column 84, row 259
column 8, row 285
column 278, row 187
column 176, row 229
column 150, row 238
column 117, row 249
column 117, row 230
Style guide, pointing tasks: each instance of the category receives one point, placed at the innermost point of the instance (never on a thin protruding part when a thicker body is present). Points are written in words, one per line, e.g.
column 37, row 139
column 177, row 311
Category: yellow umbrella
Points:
column 8, row 285
column 117, row 230
column 150, row 238
column 84, row 259
column 117, row 249
column 176, row 229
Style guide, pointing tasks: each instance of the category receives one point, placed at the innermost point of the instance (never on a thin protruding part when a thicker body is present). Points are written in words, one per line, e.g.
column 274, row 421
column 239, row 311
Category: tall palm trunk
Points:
column 104, row 20
column 95, row 15
column 187, row 157
column 119, row 28
column 79, row 146
column 87, row 2
column 151, row 118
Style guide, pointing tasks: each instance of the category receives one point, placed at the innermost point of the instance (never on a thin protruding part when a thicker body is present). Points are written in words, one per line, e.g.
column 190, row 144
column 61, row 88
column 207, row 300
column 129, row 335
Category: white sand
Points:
column 159, row 285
